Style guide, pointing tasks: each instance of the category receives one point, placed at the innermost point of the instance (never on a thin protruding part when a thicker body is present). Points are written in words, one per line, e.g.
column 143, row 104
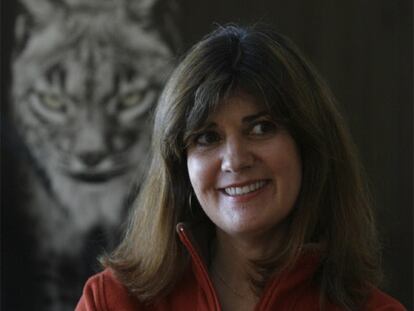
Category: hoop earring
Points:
column 190, row 201
column 190, row 204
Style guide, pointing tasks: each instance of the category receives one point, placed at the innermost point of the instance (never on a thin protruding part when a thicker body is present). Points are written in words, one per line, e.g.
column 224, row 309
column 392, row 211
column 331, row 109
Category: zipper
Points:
column 187, row 239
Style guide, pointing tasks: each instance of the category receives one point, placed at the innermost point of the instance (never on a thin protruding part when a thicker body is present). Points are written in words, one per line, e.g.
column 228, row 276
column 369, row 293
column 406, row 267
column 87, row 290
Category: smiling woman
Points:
column 255, row 169
column 245, row 169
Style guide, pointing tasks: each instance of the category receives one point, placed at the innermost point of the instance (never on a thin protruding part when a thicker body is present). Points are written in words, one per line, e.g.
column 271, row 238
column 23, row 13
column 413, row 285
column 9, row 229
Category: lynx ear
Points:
column 160, row 15
column 41, row 11
column 31, row 15
column 139, row 9
column 167, row 14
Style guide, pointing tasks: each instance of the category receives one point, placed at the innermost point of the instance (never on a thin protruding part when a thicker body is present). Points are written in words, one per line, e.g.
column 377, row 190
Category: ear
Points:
column 160, row 15
column 167, row 15
column 41, row 11
column 139, row 10
column 31, row 15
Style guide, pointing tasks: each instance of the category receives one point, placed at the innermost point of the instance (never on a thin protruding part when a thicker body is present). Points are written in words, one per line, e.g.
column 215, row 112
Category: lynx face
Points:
column 86, row 75
column 82, row 91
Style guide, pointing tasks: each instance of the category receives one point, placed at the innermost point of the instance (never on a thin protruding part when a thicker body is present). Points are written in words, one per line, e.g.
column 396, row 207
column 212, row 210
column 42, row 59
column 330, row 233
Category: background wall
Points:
column 364, row 49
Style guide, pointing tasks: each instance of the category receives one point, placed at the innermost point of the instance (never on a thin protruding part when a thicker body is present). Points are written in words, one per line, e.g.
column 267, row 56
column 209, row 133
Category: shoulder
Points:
column 380, row 301
column 105, row 292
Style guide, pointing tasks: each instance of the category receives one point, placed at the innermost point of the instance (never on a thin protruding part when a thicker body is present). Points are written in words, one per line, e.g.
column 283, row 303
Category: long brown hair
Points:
column 333, row 207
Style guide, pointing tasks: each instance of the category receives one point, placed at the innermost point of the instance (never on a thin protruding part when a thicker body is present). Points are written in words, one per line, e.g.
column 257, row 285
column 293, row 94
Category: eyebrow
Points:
column 247, row 119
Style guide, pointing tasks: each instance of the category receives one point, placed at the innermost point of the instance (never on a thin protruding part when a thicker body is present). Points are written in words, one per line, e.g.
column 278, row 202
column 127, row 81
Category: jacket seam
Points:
column 200, row 266
column 102, row 292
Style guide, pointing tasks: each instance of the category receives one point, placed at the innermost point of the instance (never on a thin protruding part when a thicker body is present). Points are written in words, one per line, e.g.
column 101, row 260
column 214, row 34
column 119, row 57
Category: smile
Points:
column 238, row 191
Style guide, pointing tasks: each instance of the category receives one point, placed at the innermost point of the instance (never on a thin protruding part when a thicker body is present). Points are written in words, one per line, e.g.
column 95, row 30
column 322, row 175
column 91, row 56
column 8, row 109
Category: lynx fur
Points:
column 86, row 75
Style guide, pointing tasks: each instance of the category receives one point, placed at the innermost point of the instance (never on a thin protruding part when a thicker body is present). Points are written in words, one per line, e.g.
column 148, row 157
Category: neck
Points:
column 231, row 266
column 231, row 270
column 236, row 252
column 232, row 256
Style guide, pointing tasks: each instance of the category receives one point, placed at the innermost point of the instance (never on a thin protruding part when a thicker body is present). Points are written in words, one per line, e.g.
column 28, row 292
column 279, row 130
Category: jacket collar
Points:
column 199, row 265
column 279, row 288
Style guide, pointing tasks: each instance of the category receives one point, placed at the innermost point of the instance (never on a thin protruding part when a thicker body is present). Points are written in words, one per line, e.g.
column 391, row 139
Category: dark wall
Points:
column 364, row 51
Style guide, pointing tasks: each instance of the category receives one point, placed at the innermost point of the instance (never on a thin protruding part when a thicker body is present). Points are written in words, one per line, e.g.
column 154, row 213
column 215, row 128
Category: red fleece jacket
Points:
column 293, row 290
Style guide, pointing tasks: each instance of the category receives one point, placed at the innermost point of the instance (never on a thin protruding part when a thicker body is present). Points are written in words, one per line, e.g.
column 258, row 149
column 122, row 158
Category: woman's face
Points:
column 245, row 170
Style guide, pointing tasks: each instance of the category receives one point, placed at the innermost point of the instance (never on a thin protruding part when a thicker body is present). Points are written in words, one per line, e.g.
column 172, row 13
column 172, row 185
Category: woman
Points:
column 255, row 169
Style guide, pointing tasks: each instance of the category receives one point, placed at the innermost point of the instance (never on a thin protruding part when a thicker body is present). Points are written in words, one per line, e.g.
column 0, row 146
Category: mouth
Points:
column 242, row 190
column 96, row 177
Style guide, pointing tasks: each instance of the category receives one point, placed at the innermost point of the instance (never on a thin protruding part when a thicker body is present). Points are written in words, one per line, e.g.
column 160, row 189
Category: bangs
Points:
column 207, row 98
column 229, row 64
column 210, row 95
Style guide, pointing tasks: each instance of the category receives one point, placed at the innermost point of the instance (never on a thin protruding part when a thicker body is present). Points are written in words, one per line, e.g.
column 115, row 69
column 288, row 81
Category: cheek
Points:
column 294, row 166
column 193, row 171
column 200, row 172
column 285, row 163
column 290, row 167
column 292, row 176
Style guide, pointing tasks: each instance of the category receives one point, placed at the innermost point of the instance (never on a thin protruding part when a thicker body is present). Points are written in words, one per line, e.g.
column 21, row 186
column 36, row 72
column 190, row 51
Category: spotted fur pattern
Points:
column 86, row 75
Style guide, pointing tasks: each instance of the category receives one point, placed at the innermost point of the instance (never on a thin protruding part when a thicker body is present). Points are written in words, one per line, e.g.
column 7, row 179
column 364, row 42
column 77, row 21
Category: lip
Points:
column 245, row 197
column 96, row 177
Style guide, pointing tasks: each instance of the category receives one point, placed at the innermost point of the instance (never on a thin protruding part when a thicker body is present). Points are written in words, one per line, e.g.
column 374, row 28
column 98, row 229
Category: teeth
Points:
column 235, row 191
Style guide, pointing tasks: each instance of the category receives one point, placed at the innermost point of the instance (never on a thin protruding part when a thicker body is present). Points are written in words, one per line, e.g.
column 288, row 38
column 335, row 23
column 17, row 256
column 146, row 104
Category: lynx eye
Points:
column 130, row 100
column 53, row 102
column 50, row 107
column 135, row 104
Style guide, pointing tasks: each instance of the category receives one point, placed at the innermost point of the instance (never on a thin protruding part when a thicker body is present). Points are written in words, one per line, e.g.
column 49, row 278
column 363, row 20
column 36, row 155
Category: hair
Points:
column 333, row 207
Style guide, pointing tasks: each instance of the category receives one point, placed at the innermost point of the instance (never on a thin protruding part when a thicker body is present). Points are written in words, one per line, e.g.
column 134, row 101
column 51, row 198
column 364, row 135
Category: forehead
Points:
column 236, row 107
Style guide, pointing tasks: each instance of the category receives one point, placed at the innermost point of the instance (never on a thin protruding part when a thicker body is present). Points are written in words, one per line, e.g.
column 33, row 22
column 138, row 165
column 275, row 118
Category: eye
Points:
column 130, row 100
column 263, row 127
column 52, row 102
column 206, row 138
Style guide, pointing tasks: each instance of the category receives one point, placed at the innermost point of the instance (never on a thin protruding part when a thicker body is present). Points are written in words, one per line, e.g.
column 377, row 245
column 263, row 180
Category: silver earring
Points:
column 190, row 200
column 190, row 204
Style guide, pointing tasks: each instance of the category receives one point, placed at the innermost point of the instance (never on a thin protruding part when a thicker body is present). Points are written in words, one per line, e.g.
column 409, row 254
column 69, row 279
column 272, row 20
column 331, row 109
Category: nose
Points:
column 92, row 158
column 90, row 146
column 237, row 156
